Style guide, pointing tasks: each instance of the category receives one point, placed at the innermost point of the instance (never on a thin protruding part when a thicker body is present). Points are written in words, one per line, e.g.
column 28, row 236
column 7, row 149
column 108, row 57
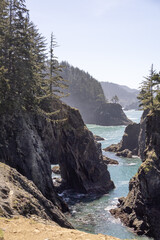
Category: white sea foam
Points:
column 131, row 164
column 109, row 207
column 135, row 156
column 121, row 183
column 116, row 198
column 115, row 220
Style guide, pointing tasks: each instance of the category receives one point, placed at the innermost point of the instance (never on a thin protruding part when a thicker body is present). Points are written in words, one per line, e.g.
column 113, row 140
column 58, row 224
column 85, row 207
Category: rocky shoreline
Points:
column 29, row 144
column 128, row 146
column 133, row 140
column 140, row 210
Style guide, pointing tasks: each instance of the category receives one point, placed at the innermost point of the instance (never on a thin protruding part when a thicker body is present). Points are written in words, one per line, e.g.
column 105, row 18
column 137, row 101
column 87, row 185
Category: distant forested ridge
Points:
column 87, row 95
column 127, row 96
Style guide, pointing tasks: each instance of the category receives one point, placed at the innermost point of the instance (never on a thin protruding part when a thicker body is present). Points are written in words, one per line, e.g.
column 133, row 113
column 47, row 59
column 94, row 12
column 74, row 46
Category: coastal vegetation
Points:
column 29, row 78
column 149, row 96
column 31, row 85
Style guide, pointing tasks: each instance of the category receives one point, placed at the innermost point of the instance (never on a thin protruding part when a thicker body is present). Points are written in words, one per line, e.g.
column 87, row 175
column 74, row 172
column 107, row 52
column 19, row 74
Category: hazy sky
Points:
column 113, row 40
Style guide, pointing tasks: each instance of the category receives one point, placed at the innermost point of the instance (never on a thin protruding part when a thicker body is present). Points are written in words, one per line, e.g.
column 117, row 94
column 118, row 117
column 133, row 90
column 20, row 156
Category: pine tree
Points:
column 115, row 99
column 4, row 85
column 57, row 83
column 22, row 58
column 24, row 81
column 146, row 96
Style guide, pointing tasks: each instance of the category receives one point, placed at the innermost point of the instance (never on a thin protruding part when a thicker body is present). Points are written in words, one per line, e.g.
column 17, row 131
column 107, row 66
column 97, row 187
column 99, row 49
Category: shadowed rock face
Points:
column 20, row 196
column 30, row 144
column 110, row 114
column 133, row 140
column 142, row 135
column 141, row 208
column 80, row 157
column 25, row 145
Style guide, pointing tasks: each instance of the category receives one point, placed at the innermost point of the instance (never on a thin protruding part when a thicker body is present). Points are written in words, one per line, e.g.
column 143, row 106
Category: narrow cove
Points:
column 91, row 214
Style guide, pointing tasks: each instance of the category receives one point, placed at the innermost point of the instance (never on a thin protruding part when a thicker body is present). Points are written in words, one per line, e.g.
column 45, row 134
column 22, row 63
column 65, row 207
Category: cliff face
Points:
column 133, row 140
column 129, row 143
column 142, row 135
column 20, row 196
column 110, row 114
column 30, row 144
column 141, row 208
column 80, row 156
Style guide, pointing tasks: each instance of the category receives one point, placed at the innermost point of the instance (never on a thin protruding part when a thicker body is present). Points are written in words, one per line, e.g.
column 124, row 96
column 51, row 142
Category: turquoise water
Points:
column 91, row 214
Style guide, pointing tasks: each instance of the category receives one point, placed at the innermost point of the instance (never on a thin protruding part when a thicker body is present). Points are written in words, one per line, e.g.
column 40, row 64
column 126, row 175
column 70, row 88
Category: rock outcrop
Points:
column 80, row 157
column 141, row 208
column 142, row 135
column 31, row 143
column 129, row 143
column 20, row 196
column 109, row 114
column 98, row 138
column 108, row 160
column 133, row 140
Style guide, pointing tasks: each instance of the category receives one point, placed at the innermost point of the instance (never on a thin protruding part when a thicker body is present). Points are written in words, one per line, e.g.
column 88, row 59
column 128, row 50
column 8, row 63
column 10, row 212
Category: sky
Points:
column 113, row 40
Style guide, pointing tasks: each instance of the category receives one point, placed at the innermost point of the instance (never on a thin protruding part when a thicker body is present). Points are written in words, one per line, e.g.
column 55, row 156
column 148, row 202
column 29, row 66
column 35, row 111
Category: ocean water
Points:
column 91, row 214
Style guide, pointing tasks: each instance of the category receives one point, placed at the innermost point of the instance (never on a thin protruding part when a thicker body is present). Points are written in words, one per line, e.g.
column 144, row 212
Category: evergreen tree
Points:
column 4, row 85
column 22, row 58
column 147, row 92
column 24, row 80
column 115, row 99
column 57, row 83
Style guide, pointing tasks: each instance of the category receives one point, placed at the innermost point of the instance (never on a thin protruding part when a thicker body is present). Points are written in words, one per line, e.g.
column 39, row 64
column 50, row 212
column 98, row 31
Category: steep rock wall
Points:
column 133, row 140
column 109, row 114
column 30, row 143
column 20, row 196
column 141, row 208
column 129, row 141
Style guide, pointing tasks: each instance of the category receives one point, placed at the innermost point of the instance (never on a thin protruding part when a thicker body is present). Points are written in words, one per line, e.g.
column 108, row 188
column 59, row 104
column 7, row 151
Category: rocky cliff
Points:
column 133, row 140
column 110, row 114
column 87, row 95
column 20, row 196
column 31, row 143
column 142, row 135
column 128, row 146
column 141, row 208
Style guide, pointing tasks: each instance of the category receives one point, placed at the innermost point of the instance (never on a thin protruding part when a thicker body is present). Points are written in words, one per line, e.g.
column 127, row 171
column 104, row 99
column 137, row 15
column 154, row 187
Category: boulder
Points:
column 98, row 138
column 110, row 161
column 125, row 153
column 56, row 170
